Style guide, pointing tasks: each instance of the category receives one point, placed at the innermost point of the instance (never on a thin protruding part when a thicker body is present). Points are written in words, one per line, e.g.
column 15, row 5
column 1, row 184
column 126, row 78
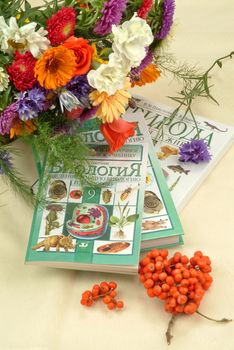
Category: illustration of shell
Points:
column 152, row 204
column 57, row 189
column 106, row 196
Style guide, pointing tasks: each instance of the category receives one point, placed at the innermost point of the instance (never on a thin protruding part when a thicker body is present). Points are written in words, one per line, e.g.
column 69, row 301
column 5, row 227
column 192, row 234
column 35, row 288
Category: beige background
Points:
column 39, row 307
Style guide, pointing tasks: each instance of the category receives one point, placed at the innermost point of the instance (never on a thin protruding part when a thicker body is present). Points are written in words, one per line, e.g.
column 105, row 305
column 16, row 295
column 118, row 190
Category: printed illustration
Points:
column 57, row 190
column 167, row 151
column 126, row 193
column 76, row 194
column 152, row 204
column 89, row 221
column 106, row 196
column 171, row 188
column 148, row 179
column 178, row 169
column 113, row 247
column 154, row 225
column 52, row 221
column 213, row 127
column 123, row 220
column 57, row 241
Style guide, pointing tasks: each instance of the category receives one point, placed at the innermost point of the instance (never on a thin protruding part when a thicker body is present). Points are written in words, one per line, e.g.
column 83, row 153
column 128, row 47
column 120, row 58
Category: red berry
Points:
column 149, row 283
column 120, row 304
column 104, row 287
column 162, row 276
column 157, row 290
column 113, row 294
column 182, row 299
column 150, row 292
column 111, row 306
column 106, row 299
column 113, row 285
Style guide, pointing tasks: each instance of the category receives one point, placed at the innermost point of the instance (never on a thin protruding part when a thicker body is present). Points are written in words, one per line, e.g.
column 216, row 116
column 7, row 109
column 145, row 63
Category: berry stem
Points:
column 103, row 295
column 168, row 333
column 222, row 320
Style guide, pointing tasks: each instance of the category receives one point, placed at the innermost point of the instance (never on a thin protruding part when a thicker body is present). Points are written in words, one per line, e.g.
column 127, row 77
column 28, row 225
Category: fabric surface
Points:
column 40, row 307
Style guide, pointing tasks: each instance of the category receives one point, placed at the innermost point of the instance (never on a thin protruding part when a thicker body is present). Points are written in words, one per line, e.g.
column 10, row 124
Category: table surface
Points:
column 40, row 307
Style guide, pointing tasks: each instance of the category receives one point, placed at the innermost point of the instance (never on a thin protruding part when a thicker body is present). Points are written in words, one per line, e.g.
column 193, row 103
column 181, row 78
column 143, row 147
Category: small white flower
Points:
column 130, row 40
column 4, row 80
column 109, row 77
column 25, row 38
column 68, row 100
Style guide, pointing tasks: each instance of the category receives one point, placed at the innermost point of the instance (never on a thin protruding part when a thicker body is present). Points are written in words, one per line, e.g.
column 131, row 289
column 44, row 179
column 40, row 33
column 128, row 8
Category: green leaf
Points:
column 114, row 220
column 133, row 218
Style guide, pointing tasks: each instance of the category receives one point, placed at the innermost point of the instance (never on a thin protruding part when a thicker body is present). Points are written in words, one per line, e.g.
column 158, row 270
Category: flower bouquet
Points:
column 65, row 62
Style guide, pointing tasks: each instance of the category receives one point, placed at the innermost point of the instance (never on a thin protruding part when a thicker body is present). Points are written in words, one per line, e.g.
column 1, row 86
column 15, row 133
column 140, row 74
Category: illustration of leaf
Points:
column 133, row 218
column 114, row 220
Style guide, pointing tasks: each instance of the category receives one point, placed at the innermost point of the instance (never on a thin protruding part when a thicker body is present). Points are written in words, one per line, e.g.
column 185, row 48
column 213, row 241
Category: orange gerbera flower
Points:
column 56, row 67
column 148, row 75
column 20, row 128
column 110, row 107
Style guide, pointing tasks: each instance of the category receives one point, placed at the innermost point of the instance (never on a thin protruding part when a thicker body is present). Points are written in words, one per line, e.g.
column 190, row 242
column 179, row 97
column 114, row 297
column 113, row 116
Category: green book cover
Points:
column 161, row 225
column 92, row 228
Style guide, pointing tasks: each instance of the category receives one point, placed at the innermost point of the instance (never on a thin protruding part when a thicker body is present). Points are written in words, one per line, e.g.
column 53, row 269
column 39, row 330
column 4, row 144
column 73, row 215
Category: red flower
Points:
column 83, row 52
column 61, row 25
column 21, row 71
column 117, row 132
column 145, row 8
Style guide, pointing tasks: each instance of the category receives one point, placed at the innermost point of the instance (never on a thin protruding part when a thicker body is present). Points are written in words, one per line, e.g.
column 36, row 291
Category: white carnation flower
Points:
column 4, row 80
column 25, row 38
column 130, row 40
column 109, row 77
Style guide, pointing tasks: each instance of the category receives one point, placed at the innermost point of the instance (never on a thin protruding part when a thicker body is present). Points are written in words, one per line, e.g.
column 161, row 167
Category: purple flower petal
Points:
column 195, row 151
column 111, row 14
column 7, row 118
column 167, row 20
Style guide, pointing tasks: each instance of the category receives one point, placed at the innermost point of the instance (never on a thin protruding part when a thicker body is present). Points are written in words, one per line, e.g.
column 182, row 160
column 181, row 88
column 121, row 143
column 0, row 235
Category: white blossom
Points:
column 22, row 39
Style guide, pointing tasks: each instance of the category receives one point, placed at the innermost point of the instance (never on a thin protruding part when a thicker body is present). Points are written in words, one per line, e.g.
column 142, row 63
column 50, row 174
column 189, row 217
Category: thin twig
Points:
column 222, row 320
column 168, row 333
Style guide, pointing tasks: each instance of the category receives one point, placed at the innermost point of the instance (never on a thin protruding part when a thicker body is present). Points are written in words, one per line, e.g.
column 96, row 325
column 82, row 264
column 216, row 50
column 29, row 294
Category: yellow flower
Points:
column 97, row 57
column 110, row 107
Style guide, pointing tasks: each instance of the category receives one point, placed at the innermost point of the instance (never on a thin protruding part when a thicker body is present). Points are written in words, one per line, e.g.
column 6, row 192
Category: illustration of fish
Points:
column 178, row 169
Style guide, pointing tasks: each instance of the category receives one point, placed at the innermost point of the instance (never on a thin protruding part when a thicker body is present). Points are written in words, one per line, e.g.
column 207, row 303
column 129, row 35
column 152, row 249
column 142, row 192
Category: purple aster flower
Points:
column 7, row 118
column 167, row 18
column 30, row 103
column 195, row 151
column 80, row 87
column 135, row 72
column 112, row 13
column 88, row 114
column 5, row 161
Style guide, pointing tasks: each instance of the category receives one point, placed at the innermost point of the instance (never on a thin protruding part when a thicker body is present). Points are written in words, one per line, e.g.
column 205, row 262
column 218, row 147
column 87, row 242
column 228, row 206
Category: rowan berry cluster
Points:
column 105, row 291
column 179, row 281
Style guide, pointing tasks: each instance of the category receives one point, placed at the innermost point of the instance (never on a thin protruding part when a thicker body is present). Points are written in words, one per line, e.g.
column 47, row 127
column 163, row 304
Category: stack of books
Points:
column 104, row 228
